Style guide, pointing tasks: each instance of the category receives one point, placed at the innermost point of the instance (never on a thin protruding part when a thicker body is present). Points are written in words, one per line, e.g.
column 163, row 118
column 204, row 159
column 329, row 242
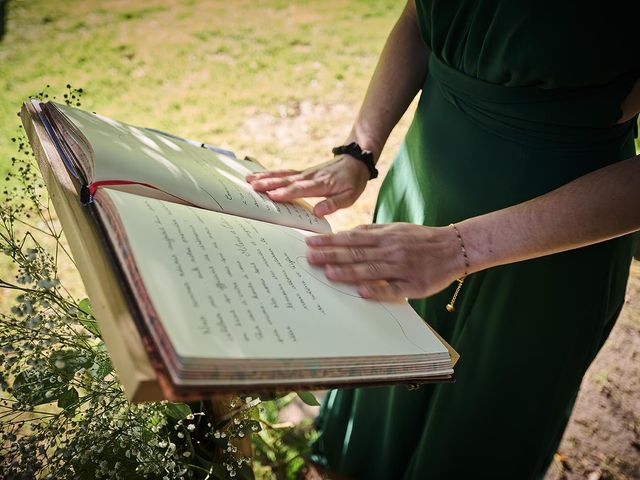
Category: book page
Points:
column 227, row 287
column 181, row 171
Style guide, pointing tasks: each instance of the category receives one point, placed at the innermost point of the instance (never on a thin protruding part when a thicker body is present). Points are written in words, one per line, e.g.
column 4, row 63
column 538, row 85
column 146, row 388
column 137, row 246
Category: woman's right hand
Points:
column 340, row 181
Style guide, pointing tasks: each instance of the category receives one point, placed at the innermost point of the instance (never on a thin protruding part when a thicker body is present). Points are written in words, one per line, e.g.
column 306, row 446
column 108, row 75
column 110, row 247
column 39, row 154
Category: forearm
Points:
column 399, row 75
column 601, row 205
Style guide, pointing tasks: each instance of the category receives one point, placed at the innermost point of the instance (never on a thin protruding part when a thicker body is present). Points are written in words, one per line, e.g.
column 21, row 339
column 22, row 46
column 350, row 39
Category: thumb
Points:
column 333, row 203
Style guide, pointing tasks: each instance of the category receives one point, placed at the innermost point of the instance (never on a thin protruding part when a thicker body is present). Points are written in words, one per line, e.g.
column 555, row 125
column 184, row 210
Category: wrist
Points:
column 366, row 142
column 453, row 258
column 353, row 164
column 355, row 151
column 478, row 243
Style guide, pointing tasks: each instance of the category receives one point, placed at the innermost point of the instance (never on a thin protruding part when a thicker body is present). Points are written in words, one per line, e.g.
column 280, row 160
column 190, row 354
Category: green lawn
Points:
column 227, row 72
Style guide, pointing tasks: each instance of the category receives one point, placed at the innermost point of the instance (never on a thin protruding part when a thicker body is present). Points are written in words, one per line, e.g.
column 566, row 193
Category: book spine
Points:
column 86, row 197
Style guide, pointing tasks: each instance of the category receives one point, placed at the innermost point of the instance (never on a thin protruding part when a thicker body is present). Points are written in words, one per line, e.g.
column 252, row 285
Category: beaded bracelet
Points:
column 450, row 305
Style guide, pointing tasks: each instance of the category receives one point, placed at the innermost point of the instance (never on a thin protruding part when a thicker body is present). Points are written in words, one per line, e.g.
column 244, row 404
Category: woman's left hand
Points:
column 390, row 262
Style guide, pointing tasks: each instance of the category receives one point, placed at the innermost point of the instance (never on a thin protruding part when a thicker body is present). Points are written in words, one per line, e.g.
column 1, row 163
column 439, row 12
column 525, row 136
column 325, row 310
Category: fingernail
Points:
column 315, row 240
column 364, row 292
column 314, row 257
column 332, row 271
column 321, row 210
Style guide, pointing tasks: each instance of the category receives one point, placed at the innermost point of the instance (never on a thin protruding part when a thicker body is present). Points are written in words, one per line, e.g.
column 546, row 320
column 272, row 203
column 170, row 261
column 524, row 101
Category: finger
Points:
column 371, row 226
column 385, row 291
column 350, row 238
column 299, row 189
column 272, row 183
column 337, row 256
column 270, row 174
column 359, row 272
column 333, row 203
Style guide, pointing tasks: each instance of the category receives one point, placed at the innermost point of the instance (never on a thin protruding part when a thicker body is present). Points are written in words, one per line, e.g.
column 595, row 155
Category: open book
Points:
column 216, row 273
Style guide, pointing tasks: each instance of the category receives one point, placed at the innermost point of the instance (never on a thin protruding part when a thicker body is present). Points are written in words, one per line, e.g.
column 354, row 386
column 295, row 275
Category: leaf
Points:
column 85, row 307
column 90, row 325
column 68, row 399
column 87, row 318
column 178, row 411
column 308, row 398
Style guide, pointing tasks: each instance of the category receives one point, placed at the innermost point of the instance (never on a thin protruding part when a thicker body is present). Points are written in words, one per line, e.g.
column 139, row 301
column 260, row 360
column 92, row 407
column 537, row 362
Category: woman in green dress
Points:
column 517, row 174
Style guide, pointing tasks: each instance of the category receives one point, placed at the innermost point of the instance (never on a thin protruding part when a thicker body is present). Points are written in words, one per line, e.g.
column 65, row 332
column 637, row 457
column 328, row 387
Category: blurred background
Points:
column 279, row 81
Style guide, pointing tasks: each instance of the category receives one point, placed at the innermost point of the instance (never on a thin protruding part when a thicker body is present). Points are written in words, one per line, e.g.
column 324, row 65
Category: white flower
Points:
column 60, row 363
column 191, row 427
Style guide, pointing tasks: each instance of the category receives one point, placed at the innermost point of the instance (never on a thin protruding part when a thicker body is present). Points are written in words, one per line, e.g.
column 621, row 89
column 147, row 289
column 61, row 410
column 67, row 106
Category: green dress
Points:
column 522, row 96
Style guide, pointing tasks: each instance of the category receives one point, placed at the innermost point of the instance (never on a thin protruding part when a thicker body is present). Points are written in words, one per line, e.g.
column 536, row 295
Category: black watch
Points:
column 365, row 156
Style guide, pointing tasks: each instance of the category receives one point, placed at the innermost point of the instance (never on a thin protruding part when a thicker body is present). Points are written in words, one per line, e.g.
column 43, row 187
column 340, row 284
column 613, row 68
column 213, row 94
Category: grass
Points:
column 199, row 69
